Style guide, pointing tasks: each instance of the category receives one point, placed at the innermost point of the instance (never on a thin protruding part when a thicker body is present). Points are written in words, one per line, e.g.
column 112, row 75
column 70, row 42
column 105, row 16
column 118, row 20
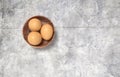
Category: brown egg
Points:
column 34, row 24
column 34, row 38
column 46, row 31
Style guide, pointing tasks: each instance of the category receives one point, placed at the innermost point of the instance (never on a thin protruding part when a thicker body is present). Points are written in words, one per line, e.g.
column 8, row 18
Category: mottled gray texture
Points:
column 86, row 43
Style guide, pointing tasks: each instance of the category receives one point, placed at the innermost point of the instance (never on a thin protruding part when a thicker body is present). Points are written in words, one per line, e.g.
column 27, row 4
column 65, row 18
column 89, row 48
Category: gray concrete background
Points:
column 87, row 41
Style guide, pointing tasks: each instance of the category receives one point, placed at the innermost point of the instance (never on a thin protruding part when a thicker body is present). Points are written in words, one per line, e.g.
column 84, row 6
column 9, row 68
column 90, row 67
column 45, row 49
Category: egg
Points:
column 46, row 31
column 34, row 24
column 34, row 38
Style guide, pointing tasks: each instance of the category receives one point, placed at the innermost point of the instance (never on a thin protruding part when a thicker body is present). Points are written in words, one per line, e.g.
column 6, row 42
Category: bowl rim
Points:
column 38, row 46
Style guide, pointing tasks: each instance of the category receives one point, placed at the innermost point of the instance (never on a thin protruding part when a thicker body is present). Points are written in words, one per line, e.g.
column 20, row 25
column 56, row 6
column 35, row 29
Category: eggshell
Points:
column 46, row 31
column 34, row 38
column 34, row 24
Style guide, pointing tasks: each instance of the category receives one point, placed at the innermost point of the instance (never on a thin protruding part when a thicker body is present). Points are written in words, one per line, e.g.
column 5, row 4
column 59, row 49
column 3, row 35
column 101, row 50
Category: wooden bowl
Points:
column 26, row 31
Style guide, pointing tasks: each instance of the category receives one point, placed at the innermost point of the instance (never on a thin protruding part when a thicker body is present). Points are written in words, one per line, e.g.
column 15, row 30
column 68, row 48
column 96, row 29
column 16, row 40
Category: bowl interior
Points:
column 26, row 31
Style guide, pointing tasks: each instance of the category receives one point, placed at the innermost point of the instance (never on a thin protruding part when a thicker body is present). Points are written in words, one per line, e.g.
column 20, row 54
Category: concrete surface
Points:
column 87, row 41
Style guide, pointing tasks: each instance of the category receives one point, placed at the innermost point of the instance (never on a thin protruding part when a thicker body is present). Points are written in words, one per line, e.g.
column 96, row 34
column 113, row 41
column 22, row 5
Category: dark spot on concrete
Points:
column 69, row 55
column 10, row 12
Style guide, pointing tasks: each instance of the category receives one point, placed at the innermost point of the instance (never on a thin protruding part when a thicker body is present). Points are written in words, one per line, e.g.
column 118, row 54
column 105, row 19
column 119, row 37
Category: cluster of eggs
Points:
column 39, row 31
